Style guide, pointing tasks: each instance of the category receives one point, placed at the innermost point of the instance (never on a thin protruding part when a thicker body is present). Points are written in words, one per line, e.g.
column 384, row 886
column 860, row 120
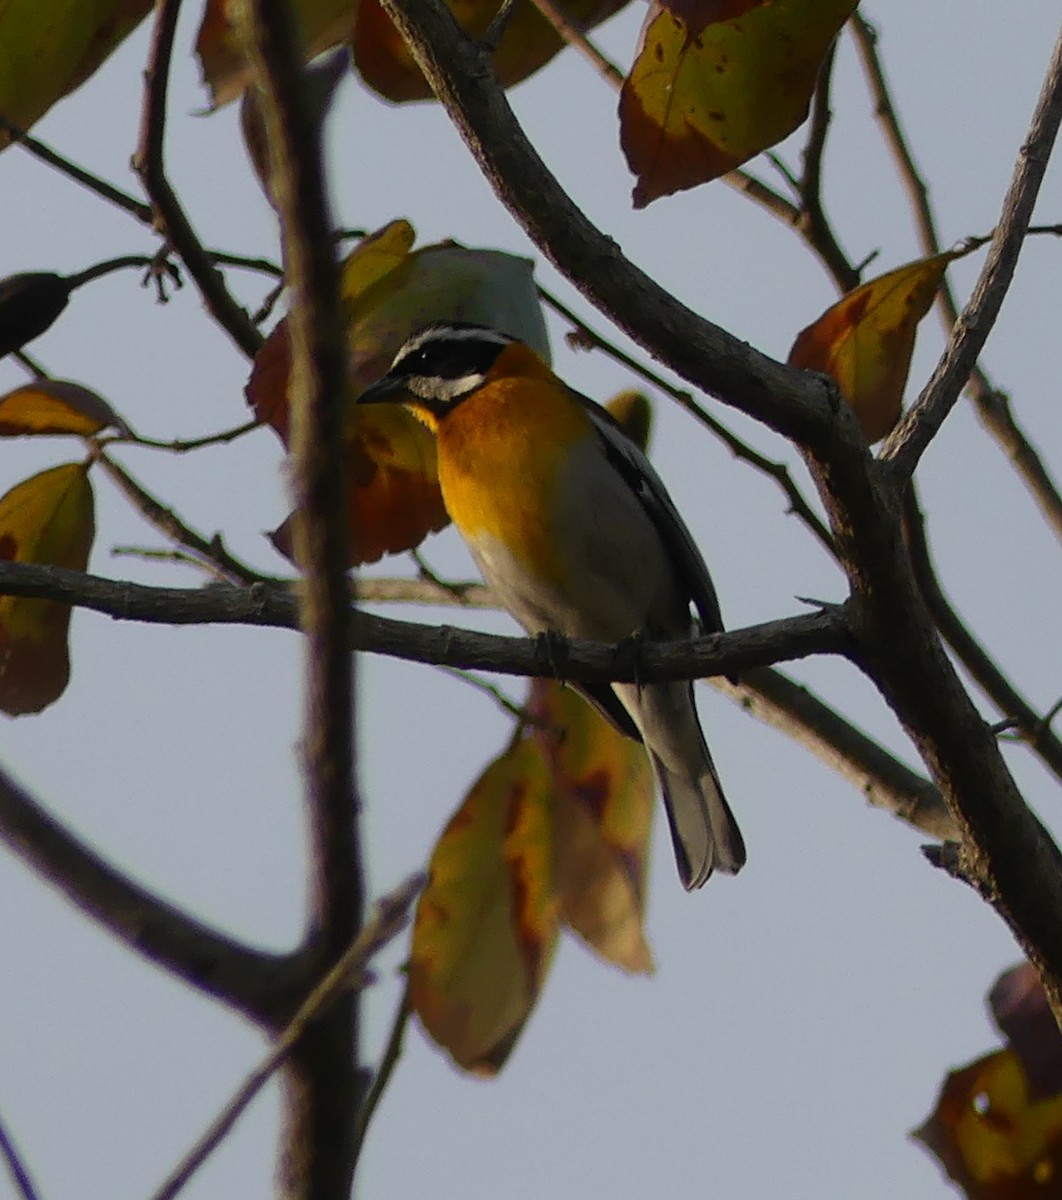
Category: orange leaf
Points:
column 322, row 25
column 865, row 340
column 486, row 923
column 603, row 811
column 991, row 1138
column 48, row 519
column 715, row 83
column 528, row 43
column 389, row 292
column 56, row 406
column 51, row 48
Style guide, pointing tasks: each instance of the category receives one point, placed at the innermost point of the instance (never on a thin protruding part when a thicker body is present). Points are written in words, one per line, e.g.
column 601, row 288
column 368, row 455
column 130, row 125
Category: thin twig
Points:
column 168, row 213
column 18, row 1170
column 577, row 39
column 814, row 223
column 71, row 170
column 504, row 702
column 166, row 521
column 31, row 364
column 1035, row 729
column 184, row 445
column 499, row 23
column 392, row 1053
column 390, row 917
column 993, row 406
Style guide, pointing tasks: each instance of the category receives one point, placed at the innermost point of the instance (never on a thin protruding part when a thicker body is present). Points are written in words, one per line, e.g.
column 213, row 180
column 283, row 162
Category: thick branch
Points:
column 792, row 402
column 909, row 440
column 248, row 980
column 324, row 1085
column 632, row 661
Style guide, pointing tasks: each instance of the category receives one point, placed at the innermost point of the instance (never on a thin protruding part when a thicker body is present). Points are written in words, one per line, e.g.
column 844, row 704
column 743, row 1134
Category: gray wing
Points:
column 647, row 485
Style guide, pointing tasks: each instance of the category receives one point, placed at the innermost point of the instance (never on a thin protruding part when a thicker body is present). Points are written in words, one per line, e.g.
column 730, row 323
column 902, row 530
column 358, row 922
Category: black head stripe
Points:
column 446, row 362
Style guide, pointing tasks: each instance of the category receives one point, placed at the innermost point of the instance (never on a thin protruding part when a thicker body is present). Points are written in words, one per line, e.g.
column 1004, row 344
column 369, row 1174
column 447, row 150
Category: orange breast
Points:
column 499, row 454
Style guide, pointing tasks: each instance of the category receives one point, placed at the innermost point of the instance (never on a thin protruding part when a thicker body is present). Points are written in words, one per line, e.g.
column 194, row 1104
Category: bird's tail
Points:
column 703, row 830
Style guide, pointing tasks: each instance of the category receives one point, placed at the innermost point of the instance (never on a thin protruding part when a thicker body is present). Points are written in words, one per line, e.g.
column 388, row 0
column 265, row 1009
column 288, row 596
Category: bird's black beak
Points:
column 386, row 390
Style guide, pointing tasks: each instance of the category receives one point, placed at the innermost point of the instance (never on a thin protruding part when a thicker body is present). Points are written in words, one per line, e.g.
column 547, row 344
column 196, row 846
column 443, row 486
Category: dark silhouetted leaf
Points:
column 29, row 304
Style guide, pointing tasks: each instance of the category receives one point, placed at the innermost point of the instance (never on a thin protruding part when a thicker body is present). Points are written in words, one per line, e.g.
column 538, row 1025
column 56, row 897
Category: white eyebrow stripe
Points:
column 452, row 333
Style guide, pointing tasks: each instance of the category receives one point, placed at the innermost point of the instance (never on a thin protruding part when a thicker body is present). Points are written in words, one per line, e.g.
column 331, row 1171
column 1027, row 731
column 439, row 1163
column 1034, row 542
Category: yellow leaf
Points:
column 50, row 47
column 865, row 340
column 486, row 924
column 47, row 519
column 603, row 812
column 992, row 1140
column 322, row 25
column 714, row 84
column 56, row 406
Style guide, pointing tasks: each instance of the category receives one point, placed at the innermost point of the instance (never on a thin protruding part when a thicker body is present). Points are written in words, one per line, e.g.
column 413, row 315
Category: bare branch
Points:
column 17, row 1169
column 168, row 213
column 390, row 917
column 392, row 1053
column 324, row 1084
column 882, row 779
column 248, row 980
column 908, row 441
column 263, row 605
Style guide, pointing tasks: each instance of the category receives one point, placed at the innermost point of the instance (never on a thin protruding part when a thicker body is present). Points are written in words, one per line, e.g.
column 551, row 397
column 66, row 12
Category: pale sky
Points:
column 803, row 1015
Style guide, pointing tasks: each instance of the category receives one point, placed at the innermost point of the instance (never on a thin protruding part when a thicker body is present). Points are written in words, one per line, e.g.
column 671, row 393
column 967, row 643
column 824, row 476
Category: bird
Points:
column 575, row 533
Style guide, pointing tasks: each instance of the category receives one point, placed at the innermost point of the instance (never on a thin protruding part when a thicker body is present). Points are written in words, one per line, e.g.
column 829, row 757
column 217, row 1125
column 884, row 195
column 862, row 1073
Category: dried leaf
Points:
column 865, row 340
column 602, row 795
column 993, row 1140
column 46, row 519
column 384, row 62
column 486, row 923
column 56, row 406
column 50, row 47
column 714, row 84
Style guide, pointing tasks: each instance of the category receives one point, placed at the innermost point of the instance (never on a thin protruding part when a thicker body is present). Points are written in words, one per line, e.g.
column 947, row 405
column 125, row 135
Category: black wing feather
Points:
column 647, row 485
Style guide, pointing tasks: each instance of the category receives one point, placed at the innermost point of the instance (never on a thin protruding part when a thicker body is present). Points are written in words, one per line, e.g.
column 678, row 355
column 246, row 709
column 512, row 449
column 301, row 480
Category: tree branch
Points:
column 794, row 403
column 908, row 441
column 993, row 405
column 263, row 605
column 250, row 981
column 169, row 215
column 324, row 1084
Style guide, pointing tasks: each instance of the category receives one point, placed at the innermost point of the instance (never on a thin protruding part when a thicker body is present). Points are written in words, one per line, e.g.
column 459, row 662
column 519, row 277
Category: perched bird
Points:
column 575, row 533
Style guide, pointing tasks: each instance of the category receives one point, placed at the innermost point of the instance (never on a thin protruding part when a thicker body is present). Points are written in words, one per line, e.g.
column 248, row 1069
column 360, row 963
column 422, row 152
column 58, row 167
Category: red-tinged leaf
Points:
column 50, row 47
column 714, row 84
column 388, row 293
column 30, row 304
column 487, row 921
column 384, row 62
column 1023, row 1015
column 865, row 340
column 603, row 808
column 56, row 406
column 993, row 1140
column 322, row 24
column 47, row 519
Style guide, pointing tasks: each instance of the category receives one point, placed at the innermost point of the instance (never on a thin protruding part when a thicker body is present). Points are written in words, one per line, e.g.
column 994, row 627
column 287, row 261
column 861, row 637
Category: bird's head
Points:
column 440, row 366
